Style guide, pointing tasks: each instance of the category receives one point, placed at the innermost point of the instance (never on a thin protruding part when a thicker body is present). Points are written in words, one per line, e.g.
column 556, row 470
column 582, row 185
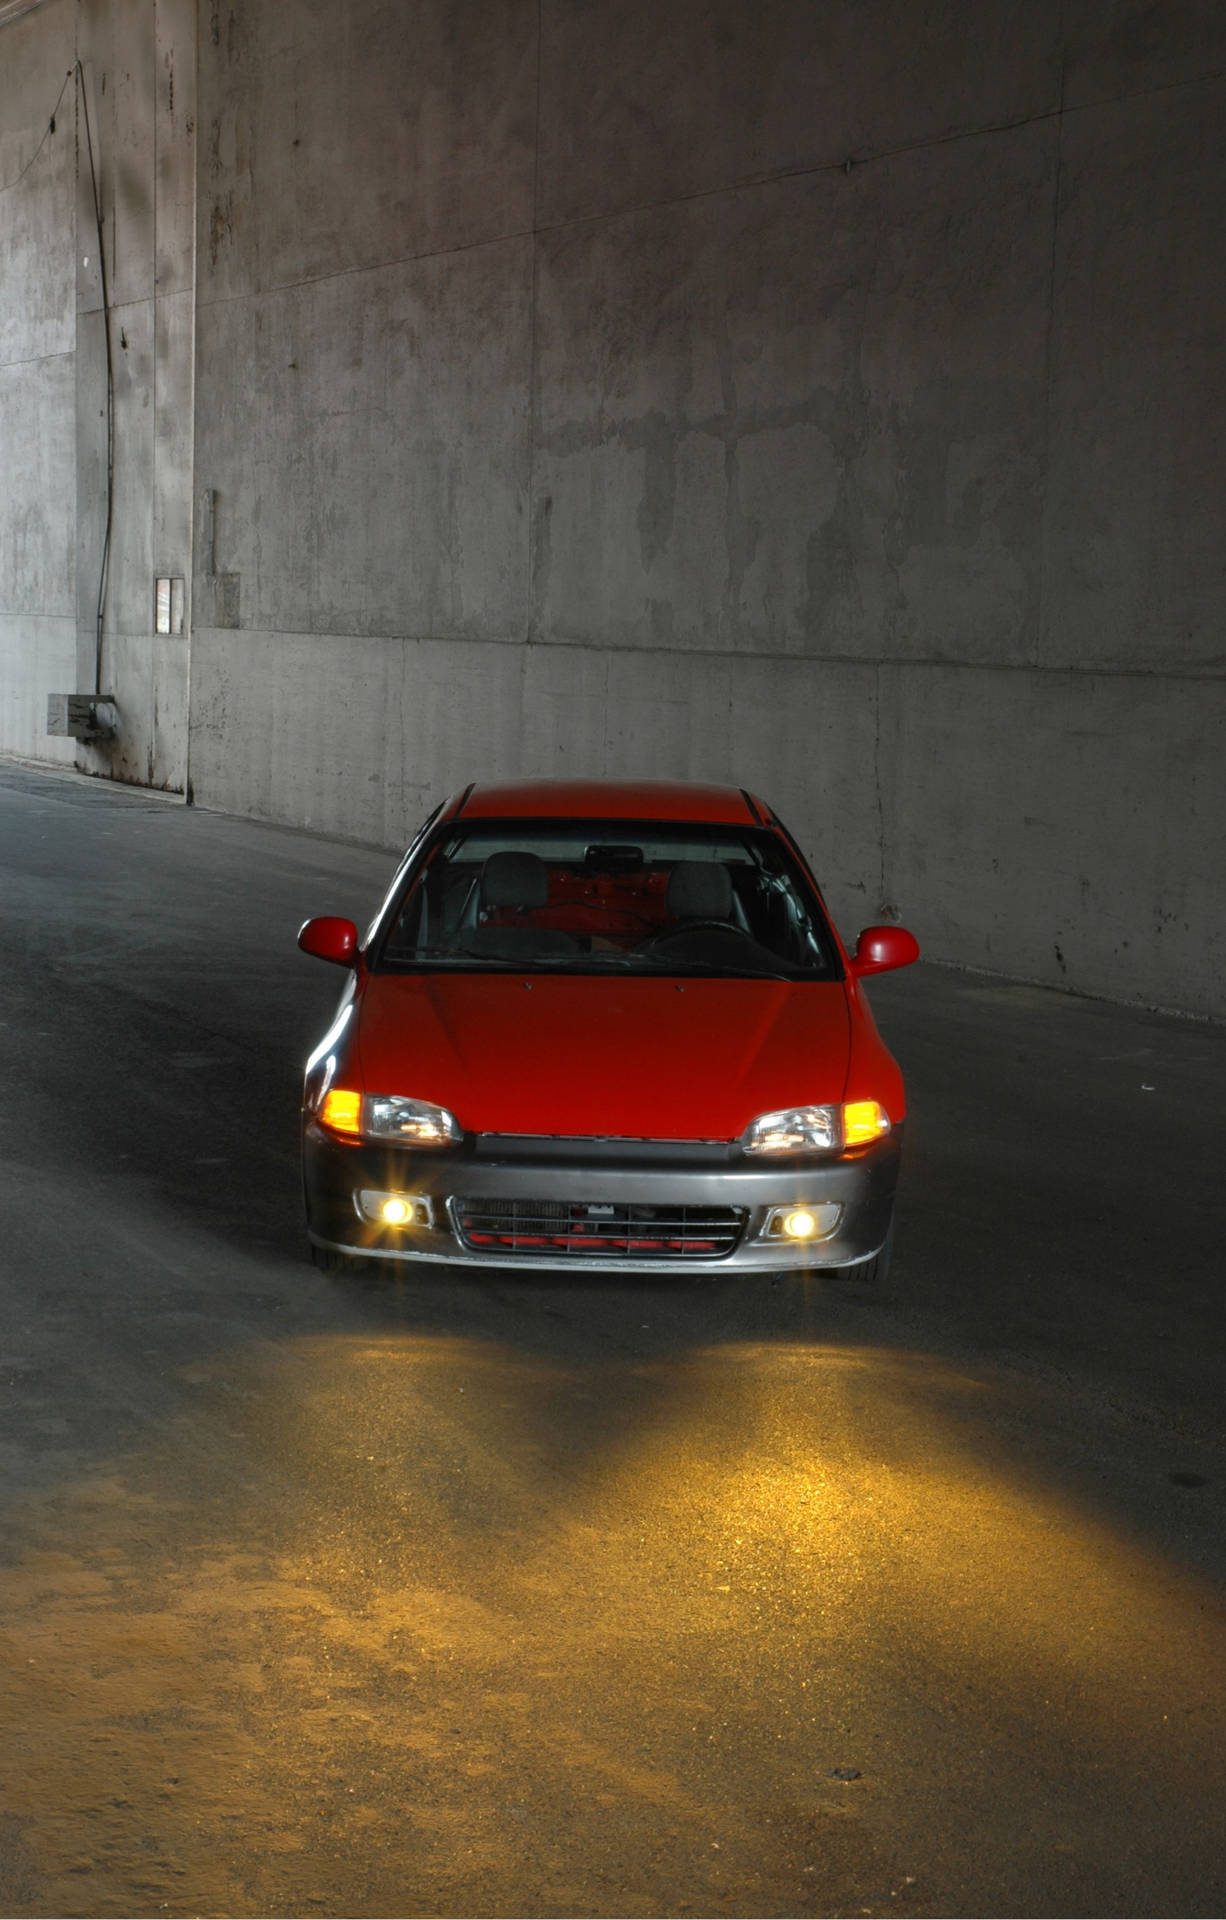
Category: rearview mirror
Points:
column 329, row 939
column 881, row 949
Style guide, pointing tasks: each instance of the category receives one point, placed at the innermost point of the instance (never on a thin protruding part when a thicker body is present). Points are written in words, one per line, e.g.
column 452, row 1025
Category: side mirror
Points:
column 330, row 939
column 881, row 949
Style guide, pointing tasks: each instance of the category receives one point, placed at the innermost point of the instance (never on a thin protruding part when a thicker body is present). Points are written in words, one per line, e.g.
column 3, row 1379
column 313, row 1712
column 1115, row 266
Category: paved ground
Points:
column 473, row 1597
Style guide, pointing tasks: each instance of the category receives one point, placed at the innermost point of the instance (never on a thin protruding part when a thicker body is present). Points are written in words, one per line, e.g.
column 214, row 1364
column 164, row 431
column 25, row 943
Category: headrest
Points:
column 699, row 890
column 514, row 880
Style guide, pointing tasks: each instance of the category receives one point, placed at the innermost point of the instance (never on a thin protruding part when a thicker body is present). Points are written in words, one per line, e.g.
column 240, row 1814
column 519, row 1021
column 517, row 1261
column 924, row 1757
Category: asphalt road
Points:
column 557, row 1596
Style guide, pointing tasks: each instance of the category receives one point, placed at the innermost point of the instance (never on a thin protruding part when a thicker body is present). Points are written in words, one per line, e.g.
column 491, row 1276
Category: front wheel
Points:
column 330, row 1260
column 868, row 1272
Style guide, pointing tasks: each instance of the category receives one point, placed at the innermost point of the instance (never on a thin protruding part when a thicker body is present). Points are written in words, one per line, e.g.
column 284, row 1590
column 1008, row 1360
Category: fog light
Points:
column 803, row 1223
column 394, row 1209
column 800, row 1224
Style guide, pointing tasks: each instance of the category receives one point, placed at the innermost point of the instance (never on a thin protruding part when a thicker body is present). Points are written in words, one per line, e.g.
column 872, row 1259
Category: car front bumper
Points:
column 590, row 1182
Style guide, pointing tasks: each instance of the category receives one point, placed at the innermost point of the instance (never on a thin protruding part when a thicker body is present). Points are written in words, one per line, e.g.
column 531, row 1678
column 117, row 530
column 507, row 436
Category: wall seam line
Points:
column 868, row 662
column 37, row 360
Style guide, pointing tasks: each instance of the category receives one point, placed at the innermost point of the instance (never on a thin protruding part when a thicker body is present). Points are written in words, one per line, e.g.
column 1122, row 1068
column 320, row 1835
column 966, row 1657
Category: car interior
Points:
column 606, row 900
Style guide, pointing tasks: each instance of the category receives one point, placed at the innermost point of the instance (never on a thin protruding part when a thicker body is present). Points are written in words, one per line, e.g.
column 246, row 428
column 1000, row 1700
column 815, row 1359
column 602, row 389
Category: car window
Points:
column 596, row 896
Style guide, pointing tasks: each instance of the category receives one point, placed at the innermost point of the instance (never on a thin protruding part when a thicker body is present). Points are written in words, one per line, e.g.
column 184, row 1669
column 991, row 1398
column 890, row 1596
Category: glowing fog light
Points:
column 800, row 1224
column 803, row 1223
column 394, row 1209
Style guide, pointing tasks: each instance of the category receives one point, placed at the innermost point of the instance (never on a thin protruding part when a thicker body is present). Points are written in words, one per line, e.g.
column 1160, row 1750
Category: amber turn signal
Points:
column 864, row 1120
column 341, row 1111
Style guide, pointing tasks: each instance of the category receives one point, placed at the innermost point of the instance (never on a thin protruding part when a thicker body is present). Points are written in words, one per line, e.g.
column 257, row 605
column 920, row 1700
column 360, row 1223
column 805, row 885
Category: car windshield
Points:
column 608, row 896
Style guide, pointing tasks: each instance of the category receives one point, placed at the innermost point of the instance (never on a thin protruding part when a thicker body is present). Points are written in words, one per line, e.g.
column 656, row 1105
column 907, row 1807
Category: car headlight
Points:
column 794, row 1130
column 418, row 1123
column 389, row 1116
column 817, row 1129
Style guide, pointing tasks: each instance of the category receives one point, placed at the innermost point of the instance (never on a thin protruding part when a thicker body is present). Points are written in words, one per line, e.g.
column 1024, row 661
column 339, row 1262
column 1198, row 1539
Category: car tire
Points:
column 330, row 1260
column 870, row 1273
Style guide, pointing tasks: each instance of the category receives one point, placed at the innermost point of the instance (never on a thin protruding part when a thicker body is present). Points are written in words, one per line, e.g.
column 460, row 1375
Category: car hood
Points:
column 578, row 1055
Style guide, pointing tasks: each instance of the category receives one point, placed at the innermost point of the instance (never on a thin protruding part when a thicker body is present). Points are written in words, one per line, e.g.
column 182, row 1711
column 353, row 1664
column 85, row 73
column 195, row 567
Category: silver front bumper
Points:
column 861, row 1186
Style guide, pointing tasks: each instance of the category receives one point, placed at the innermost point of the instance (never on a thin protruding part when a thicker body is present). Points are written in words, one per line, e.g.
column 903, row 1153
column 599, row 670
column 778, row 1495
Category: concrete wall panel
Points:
column 90, row 428
column 147, row 674
column 805, row 417
column 37, row 482
column 129, row 608
column 386, row 488
column 37, row 657
column 174, row 341
column 360, row 736
column 36, row 188
column 175, row 114
column 1136, row 499
column 138, row 83
column 341, row 137
column 1061, row 827
column 643, row 103
column 1118, row 47
column 124, row 42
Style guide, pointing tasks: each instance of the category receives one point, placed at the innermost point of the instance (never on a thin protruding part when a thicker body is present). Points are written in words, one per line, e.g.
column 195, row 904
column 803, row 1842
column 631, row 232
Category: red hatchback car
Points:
column 603, row 1024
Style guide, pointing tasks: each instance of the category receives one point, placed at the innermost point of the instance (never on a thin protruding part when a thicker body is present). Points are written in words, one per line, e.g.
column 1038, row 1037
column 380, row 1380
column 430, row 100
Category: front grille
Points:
column 538, row 1228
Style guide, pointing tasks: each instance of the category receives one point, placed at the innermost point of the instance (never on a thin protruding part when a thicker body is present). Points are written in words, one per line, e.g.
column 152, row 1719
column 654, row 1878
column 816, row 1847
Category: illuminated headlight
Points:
column 794, row 1130
column 817, row 1129
column 394, row 1209
column 417, row 1123
column 388, row 1116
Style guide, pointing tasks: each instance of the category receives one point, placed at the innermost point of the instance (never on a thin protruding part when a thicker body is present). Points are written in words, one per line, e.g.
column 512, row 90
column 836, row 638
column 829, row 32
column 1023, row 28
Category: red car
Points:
column 603, row 1024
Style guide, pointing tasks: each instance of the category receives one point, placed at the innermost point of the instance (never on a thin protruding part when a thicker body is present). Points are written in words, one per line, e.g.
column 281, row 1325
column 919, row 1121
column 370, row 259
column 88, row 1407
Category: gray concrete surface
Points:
column 502, row 1596
column 829, row 398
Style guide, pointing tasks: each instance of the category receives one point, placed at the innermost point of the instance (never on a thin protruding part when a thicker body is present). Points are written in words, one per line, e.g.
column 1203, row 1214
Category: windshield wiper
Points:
column 651, row 963
column 465, row 956
column 610, row 960
column 721, row 971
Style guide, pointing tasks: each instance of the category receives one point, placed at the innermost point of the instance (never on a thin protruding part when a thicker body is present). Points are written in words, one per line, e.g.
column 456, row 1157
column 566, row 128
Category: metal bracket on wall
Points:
column 75, row 716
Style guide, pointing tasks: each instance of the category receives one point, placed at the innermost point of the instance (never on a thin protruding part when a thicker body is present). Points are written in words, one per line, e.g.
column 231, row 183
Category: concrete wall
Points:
column 138, row 76
column 118, row 76
column 824, row 398
column 37, row 376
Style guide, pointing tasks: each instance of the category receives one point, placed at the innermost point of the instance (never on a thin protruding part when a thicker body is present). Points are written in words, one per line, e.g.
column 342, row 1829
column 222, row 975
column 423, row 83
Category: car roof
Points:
column 611, row 800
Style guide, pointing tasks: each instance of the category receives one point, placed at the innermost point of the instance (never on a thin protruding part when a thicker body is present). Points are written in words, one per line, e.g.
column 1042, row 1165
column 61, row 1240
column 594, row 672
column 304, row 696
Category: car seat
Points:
column 515, row 883
column 700, row 890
